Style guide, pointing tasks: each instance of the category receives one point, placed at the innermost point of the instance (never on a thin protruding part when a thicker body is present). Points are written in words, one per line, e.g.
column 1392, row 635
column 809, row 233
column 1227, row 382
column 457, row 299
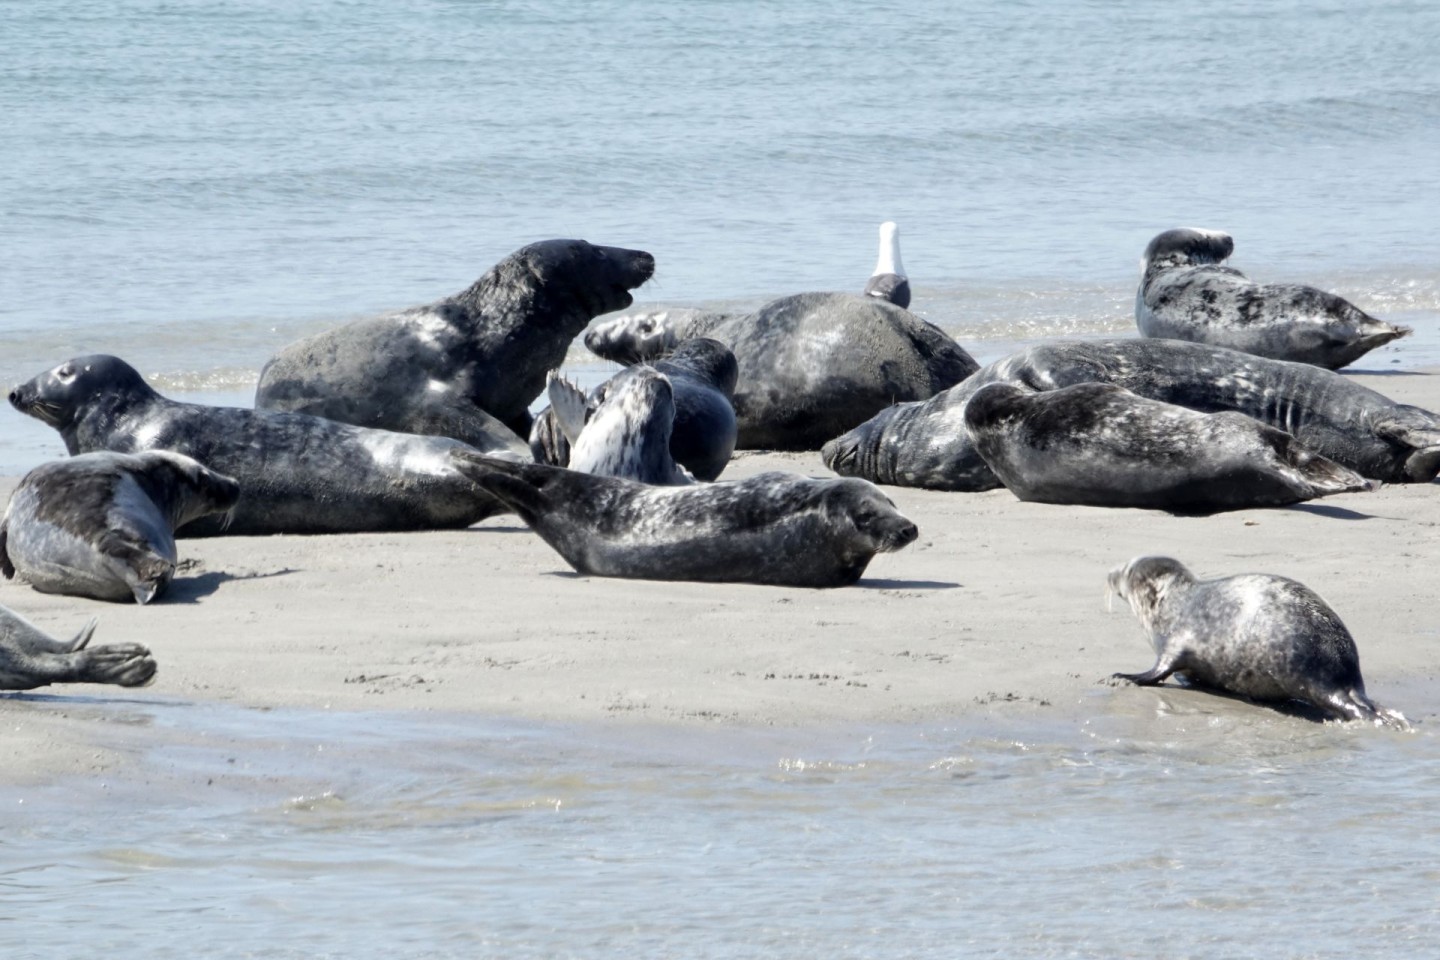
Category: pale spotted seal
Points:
column 888, row 280
column 103, row 525
column 1257, row 635
column 30, row 658
column 626, row 433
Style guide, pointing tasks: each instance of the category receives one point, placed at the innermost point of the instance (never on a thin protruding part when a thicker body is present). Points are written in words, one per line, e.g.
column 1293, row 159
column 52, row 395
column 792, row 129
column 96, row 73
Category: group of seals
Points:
column 30, row 658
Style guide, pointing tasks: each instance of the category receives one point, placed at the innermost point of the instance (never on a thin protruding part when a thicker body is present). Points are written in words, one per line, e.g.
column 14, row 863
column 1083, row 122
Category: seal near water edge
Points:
column 1261, row 636
column 102, row 524
column 455, row 367
column 1101, row 445
column 1186, row 293
column 626, row 433
column 297, row 473
column 776, row 528
column 30, row 658
column 888, row 280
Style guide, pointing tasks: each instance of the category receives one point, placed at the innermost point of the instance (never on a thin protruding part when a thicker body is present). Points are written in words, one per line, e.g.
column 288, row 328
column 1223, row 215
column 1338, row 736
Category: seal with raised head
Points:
column 926, row 444
column 776, row 528
column 31, row 658
column 103, row 524
column 888, row 280
column 455, row 367
column 702, row 374
column 626, row 433
column 812, row 365
column 297, row 473
column 1186, row 293
column 1258, row 635
column 1101, row 445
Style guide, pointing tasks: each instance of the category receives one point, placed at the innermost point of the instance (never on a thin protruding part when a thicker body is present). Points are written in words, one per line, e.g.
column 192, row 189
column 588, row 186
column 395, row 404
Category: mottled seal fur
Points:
column 297, row 473
column 30, row 658
column 888, row 280
column 1101, row 445
column 1187, row 294
column 812, row 365
column 926, row 444
column 102, row 525
column 1257, row 635
column 775, row 528
column 702, row 375
column 626, row 433
column 454, row 367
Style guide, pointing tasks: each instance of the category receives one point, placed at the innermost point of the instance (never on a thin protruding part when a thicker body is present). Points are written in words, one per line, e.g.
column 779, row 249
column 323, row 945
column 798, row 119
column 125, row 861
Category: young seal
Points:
column 102, row 525
column 888, row 281
column 775, row 528
column 811, row 366
column 1257, row 635
column 702, row 374
column 1186, row 294
column 1101, row 445
column 297, row 474
column 626, row 433
column 30, row 658
column 454, row 367
column 926, row 444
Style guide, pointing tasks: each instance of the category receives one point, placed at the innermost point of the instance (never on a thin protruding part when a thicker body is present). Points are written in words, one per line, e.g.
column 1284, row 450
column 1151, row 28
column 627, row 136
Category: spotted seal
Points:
column 102, row 524
column 626, row 433
column 1261, row 636
column 1101, row 445
column 1187, row 294
column 775, row 528
column 30, row 658
column 297, row 473
column 888, row 280
column 454, row 367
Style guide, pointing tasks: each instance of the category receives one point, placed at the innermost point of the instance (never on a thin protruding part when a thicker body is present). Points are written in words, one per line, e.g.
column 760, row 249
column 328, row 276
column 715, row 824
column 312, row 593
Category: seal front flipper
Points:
column 145, row 571
column 1164, row 666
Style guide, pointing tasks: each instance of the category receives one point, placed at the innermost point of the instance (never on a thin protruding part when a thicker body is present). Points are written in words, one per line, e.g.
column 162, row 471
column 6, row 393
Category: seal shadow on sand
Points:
column 1333, row 512
column 191, row 589
column 867, row 583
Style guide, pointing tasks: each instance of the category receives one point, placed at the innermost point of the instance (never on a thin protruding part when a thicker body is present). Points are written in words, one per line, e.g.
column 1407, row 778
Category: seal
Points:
column 102, row 525
column 776, row 528
column 1264, row 637
column 454, row 367
column 1187, row 294
column 702, row 375
column 926, row 444
column 812, row 365
column 297, row 473
column 1101, row 445
column 30, row 658
column 627, row 431
column 888, row 280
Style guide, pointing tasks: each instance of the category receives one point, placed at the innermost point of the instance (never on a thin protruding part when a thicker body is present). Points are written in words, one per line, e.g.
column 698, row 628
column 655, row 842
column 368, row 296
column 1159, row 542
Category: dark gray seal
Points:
column 102, row 525
column 626, row 433
column 702, row 375
column 1101, row 445
column 1186, row 294
column 811, row 366
column 30, row 658
column 454, row 367
column 888, row 280
column 1257, row 635
column 926, row 444
column 297, row 473
column 775, row 528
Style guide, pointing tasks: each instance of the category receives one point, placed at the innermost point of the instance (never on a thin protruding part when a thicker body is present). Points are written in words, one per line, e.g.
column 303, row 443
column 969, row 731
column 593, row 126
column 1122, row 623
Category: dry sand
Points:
column 999, row 607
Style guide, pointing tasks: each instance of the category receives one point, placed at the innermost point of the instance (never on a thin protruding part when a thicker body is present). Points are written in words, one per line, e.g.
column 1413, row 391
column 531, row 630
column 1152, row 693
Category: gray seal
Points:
column 775, row 528
column 926, row 444
column 1187, row 294
column 297, row 473
column 702, row 375
column 30, row 658
column 888, row 280
column 626, row 433
column 102, row 525
column 454, row 367
column 1100, row 445
column 1264, row 637
column 812, row 365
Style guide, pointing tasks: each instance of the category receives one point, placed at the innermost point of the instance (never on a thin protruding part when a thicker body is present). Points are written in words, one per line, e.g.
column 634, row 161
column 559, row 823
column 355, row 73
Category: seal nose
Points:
column 908, row 533
column 15, row 399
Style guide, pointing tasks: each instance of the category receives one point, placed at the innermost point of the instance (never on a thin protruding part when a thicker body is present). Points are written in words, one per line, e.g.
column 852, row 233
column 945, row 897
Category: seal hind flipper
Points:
column 568, row 404
column 1354, row 704
column 509, row 482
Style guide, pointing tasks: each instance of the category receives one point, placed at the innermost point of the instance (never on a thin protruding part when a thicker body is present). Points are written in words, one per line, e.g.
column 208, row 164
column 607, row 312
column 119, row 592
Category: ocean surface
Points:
column 190, row 185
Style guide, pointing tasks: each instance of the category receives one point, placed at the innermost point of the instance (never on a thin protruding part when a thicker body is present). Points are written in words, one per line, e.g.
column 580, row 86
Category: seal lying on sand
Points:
column 1185, row 294
column 297, row 474
column 702, row 376
column 29, row 658
column 627, row 433
column 926, row 444
column 888, row 281
column 1256, row 635
column 811, row 366
column 1101, row 445
column 454, row 367
column 775, row 528
column 103, row 525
